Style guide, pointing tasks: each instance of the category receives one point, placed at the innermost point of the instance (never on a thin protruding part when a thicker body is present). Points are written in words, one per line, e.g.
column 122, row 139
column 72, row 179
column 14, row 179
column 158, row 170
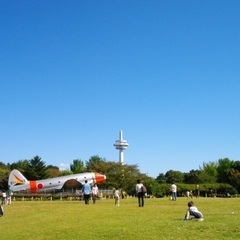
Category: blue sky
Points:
column 75, row 73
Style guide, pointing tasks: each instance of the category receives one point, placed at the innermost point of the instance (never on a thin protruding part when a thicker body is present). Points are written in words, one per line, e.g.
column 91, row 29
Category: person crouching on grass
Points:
column 193, row 211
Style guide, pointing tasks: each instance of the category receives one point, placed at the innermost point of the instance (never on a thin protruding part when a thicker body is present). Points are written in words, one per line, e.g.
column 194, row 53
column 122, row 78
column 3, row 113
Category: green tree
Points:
column 234, row 175
column 3, row 166
column 174, row 176
column 53, row 171
column 118, row 175
column 208, row 172
column 94, row 162
column 4, row 173
column 125, row 176
column 36, row 169
column 224, row 168
column 234, row 179
column 153, row 187
column 236, row 165
column 20, row 165
column 161, row 178
column 192, row 177
column 66, row 172
column 77, row 166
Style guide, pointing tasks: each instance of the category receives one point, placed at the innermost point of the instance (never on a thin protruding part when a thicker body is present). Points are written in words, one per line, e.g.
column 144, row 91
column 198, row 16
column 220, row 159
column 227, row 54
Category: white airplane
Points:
column 18, row 183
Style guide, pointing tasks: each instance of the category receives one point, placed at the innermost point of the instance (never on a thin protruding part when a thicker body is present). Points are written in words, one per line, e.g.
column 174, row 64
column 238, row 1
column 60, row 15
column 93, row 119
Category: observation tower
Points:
column 121, row 145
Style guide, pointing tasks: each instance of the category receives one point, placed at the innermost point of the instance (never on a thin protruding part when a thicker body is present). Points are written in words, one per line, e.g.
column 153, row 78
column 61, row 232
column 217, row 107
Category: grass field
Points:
column 159, row 219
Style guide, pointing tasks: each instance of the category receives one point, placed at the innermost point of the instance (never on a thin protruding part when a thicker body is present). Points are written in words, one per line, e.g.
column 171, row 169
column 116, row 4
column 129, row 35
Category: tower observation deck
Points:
column 121, row 145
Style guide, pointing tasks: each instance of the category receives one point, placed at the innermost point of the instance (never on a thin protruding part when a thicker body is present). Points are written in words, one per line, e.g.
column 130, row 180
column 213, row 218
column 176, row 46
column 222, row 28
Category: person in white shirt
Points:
column 140, row 193
column 117, row 197
column 4, row 198
column 94, row 193
column 173, row 189
column 193, row 211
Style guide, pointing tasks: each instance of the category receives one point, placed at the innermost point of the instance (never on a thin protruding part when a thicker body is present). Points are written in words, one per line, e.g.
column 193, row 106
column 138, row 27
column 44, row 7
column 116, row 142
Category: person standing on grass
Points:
column 173, row 189
column 9, row 197
column 197, row 191
column 140, row 193
column 94, row 193
column 117, row 197
column 86, row 190
column 4, row 198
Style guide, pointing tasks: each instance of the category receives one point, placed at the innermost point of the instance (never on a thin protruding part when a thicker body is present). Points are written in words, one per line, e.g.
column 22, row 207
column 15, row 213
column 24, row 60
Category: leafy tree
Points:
column 77, row 166
column 234, row 175
column 224, row 168
column 192, row 177
column 236, row 165
column 208, row 172
column 4, row 172
column 66, row 172
column 2, row 165
column 161, row 178
column 126, row 177
column 234, row 179
column 53, row 171
column 96, row 164
column 118, row 175
column 174, row 176
column 4, row 180
column 153, row 187
column 93, row 162
column 20, row 165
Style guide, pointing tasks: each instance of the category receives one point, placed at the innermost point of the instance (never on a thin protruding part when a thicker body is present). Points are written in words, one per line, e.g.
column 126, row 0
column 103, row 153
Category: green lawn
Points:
column 159, row 219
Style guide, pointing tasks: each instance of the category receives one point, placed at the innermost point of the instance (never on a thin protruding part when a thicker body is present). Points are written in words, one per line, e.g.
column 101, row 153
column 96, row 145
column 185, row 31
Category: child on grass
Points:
column 193, row 211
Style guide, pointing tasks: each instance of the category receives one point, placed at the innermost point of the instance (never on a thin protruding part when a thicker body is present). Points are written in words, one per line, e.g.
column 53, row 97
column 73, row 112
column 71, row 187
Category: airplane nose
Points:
column 99, row 177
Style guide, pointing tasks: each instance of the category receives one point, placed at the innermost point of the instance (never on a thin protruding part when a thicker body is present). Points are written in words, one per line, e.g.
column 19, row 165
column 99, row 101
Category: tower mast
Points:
column 121, row 145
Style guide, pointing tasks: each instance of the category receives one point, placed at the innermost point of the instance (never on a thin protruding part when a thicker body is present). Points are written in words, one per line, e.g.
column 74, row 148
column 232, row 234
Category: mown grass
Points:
column 159, row 219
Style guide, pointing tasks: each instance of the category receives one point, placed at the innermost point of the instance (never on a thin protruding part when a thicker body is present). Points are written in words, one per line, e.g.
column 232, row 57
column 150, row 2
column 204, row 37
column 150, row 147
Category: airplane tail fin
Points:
column 15, row 179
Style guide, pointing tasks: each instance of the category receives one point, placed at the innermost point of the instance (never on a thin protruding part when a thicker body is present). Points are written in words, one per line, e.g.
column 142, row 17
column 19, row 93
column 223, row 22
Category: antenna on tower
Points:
column 121, row 145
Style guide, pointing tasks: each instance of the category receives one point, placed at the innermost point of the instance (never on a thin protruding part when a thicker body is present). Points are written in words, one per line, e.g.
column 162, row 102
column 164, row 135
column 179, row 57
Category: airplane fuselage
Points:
column 19, row 183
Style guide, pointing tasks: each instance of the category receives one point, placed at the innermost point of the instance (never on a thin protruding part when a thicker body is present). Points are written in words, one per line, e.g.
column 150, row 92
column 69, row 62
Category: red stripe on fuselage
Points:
column 33, row 186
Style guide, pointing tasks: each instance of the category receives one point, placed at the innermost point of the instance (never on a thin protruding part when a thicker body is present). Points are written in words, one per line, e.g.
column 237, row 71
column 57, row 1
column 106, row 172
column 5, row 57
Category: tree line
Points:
column 221, row 176
column 222, row 171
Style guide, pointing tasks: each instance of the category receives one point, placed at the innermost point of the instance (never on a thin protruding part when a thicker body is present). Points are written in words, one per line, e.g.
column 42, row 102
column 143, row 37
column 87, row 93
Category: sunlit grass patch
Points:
column 158, row 219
